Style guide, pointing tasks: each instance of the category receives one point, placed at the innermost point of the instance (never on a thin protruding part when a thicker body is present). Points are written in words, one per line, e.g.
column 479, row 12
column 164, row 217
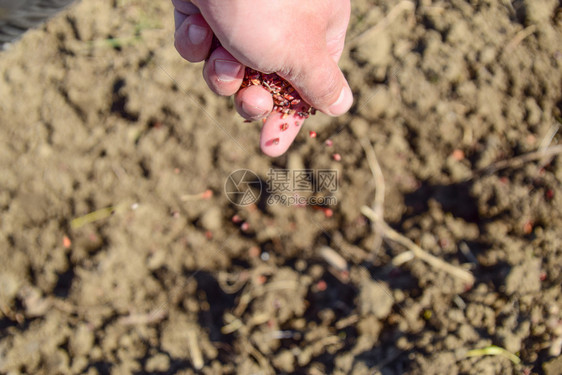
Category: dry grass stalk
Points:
column 519, row 37
column 520, row 160
column 375, row 214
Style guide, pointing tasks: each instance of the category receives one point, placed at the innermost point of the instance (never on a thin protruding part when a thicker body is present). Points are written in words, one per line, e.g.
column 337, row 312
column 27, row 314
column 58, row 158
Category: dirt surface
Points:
column 115, row 258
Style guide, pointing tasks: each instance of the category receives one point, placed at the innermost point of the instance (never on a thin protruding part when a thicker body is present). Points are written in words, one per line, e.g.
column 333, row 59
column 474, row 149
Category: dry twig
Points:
column 151, row 317
column 420, row 253
column 380, row 187
column 519, row 37
column 194, row 349
column 375, row 214
column 518, row 161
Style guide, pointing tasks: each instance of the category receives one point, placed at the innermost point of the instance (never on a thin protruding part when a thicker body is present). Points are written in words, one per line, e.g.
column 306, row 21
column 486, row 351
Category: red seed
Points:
column 254, row 252
column 236, row 219
column 329, row 142
column 207, row 194
column 245, row 226
column 328, row 212
column 458, row 154
column 66, row 242
column 274, row 141
column 312, row 134
column 337, row 157
column 528, row 227
column 284, row 96
column 321, row 285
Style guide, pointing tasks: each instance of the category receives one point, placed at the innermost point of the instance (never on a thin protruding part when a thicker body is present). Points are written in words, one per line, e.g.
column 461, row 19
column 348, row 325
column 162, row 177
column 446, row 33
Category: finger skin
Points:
column 214, row 81
column 253, row 102
column 185, row 7
column 274, row 141
column 187, row 50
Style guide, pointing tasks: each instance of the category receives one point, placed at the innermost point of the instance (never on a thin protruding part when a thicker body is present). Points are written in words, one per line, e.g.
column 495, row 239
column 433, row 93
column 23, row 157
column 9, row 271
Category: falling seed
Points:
column 236, row 219
column 66, row 242
column 458, row 154
column 245, row 226
column 337, row 157
column 328, row 212
column 321, row 285
column 254, row 252
column 312, row 134
column 207, row 194
column 329, row 142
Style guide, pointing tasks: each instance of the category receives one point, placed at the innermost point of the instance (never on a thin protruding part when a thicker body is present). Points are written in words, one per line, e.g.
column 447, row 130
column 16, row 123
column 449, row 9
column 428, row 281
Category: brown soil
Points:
column 97, row 110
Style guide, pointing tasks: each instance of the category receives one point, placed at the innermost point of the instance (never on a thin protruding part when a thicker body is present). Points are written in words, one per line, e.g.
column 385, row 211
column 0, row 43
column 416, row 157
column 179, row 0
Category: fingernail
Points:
column 227, row 70
column 344, row 102
column 196, row 34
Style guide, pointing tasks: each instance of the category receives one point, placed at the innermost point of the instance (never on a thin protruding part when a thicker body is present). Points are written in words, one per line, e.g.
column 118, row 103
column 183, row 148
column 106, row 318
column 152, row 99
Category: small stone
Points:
column 158, row 363
column 376, row 299
column 82, row 341
column 212, row 219
column 524, row 278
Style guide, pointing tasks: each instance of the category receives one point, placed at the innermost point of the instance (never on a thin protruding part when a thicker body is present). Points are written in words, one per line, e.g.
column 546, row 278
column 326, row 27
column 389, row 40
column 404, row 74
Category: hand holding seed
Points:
column 300, row 41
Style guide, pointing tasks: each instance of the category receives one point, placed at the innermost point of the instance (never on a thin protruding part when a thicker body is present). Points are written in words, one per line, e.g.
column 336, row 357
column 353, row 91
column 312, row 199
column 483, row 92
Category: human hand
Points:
column 300, row 41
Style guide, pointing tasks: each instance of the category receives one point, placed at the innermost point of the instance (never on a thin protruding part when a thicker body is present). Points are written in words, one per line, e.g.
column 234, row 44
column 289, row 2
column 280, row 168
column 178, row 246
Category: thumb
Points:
column 321, row 83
